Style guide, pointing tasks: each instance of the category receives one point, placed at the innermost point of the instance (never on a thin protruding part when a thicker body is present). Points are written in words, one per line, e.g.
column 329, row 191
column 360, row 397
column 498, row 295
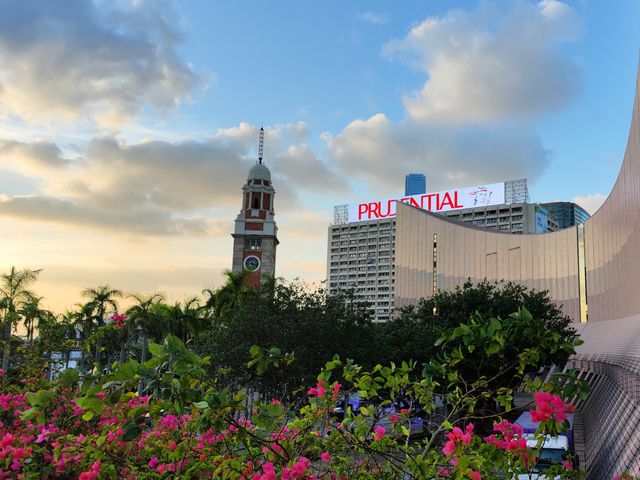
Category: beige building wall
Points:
column 543, row 262
column 612, row 240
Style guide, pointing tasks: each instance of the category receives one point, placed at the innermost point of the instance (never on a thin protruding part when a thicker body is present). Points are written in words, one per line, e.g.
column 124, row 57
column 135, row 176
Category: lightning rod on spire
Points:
column 261, row 145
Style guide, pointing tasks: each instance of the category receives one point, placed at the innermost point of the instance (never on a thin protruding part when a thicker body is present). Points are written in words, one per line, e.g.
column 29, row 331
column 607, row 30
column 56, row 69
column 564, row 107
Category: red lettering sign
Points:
column 362, row 209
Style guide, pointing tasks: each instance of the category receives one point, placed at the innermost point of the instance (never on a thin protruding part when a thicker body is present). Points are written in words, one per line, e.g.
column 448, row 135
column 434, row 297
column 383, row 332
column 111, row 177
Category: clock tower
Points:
column 255, row 236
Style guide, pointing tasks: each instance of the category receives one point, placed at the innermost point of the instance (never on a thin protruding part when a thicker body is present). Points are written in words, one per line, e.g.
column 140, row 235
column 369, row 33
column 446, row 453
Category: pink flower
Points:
column 153, row 462
column 269, row 472
column 336, row 390
column 449, row 447
column 325, row 457
column 547, row 406
column 93, row 472
column 319, row 390
column 118, row 319
column 475, row 476
column 275, row 401
column 456, row 437
column 379, row 432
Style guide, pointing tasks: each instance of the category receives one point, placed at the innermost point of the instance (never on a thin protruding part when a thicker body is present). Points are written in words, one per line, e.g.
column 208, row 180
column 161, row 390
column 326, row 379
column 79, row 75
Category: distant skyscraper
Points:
column 415, row 184
column 566, row 214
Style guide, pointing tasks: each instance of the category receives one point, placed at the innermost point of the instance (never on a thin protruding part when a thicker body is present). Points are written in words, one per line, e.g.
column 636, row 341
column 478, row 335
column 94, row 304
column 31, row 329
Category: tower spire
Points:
column 260, row 145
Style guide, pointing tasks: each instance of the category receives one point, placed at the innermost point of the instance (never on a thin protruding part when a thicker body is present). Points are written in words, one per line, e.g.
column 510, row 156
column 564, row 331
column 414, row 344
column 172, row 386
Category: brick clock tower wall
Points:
column 255, row 236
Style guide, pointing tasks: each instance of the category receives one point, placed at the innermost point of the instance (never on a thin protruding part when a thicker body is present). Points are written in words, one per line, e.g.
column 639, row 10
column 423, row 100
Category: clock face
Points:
column 252, row 263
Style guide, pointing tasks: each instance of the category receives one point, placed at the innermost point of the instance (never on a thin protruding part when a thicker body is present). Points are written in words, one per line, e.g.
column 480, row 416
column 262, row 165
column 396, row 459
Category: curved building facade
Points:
column 592, row 270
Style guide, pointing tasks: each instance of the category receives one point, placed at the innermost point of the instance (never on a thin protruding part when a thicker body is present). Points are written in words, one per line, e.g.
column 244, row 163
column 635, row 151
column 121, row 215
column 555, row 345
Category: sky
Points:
column 127, row 127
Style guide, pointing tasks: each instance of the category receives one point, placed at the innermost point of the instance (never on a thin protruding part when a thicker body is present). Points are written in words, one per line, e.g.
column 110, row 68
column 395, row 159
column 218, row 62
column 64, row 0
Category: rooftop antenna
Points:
column 260, row 145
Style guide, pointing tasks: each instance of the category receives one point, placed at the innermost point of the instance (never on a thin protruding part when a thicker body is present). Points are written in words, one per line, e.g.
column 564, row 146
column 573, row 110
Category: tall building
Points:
column 255, row 236
column 361, row 239
column 566, row 214
column 415, row 184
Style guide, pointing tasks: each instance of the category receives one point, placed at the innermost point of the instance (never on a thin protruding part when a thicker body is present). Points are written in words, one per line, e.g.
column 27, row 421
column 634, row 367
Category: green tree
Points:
column 232, row 293
column 93, row 314
column 32, row 314
column 292, row 319
column 413, row 333
column 184, row 320
column 13, row 294
column 146, row 317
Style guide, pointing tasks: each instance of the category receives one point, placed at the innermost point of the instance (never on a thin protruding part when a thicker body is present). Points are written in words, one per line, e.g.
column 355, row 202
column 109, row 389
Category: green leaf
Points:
column 156, row 350
column 131, row 431
column 255, row 350
column 201, row 405
column 115, row 396
column 492, row 347
column 494, row 326
column 69, row 377
column 29, row 414
column 87, row 416
column 460, row 330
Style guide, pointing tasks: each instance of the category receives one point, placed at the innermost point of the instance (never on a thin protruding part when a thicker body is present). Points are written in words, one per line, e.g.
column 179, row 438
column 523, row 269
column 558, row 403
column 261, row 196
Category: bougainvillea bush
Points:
column 183, row 426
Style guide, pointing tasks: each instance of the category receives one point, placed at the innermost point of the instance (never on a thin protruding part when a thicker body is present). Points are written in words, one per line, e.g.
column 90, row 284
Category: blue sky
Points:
column 297, row 61
column 128, row 127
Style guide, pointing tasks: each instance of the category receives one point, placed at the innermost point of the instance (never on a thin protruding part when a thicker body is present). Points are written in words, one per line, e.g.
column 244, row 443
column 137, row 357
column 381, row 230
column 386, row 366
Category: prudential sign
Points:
column 480, row 196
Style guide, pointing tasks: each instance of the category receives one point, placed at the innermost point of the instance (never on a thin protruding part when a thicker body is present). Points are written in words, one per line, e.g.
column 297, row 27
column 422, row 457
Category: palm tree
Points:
column 102, row 300
column 185, row 321
column 13, row 293
column 145, row 317
column 231, row 293
column 210, row 299
column 32, row 314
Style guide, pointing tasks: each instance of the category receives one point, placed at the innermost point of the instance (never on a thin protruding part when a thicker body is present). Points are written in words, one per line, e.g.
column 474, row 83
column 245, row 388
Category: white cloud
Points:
column 382, row 153
column 591, row 203
column 83, row 59
column 156, row 187
column 500, row 61
column 25, row 157
column 374, row 18
column 490, row 72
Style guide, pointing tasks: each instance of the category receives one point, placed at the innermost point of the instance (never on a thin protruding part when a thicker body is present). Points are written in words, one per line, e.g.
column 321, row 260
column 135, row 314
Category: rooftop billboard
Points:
column 471, row 197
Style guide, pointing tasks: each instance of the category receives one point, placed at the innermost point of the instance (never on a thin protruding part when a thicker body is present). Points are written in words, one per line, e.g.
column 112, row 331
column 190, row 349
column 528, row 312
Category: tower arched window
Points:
column 255, row 201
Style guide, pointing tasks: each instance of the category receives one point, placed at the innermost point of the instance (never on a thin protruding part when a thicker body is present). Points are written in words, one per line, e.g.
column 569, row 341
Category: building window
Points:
column 435, row 264
column 255, row 201
column 253, row 244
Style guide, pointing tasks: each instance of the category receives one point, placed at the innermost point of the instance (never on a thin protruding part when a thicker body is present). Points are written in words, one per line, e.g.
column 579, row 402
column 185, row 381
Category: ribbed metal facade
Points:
column 544, row 262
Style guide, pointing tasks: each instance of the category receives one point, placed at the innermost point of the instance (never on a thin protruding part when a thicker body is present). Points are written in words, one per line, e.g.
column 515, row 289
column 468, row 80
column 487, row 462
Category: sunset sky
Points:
column 127, row 128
